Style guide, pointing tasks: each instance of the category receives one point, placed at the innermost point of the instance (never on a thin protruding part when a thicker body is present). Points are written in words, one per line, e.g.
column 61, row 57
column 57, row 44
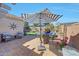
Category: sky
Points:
column 70, row 11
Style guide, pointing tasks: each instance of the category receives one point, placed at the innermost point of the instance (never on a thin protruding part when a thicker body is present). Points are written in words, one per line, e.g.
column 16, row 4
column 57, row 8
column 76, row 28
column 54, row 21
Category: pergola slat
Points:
column 5, row 6
column 45, row 13
column 58, row 17
column 3, row 11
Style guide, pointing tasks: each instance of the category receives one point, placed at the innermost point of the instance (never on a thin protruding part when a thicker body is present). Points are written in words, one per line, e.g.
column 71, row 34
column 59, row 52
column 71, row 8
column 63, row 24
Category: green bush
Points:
column 53, row 37
column 45, row 36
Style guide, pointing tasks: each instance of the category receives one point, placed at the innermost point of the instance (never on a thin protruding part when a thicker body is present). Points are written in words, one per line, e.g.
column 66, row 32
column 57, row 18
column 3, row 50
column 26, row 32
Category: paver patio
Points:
column 26, row 46
column 33, row 44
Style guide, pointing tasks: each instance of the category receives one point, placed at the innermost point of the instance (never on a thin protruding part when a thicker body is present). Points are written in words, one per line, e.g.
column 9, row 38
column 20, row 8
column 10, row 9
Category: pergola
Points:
column 45, row 16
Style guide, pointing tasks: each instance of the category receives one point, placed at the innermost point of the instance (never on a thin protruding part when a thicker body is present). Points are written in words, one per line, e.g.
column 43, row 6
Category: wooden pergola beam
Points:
column 5, row 6
column 47, row 13
column 58, row 17
column 3, row 11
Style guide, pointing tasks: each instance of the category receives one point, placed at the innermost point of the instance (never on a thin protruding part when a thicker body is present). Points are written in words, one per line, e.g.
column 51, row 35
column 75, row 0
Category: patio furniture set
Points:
column 4, row 37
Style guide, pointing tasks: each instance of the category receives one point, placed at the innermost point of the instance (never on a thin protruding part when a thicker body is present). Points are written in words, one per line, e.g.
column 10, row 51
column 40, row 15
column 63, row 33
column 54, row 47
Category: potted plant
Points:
column 46, row 39
column 46, row 36
column 64, row 42
column 53, row 37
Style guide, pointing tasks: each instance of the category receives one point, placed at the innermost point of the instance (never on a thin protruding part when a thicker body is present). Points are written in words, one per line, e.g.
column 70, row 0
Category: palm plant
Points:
column 51, row 27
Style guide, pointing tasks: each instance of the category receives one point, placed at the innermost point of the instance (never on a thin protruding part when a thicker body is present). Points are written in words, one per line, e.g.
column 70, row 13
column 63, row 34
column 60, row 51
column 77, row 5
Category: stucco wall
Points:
column 73, row 34
column 72, row 29
column 69, row 30
column 5, row 25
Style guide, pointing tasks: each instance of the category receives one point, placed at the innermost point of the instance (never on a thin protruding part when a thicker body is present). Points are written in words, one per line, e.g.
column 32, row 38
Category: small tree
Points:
column 26, row 27
column 57, row 28
column 51, row 27
column 35, row 25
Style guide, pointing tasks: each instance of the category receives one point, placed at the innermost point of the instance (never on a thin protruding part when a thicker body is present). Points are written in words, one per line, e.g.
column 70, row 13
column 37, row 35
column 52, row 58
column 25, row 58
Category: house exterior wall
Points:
column 5, row 25
column 61, row 28
column 61, row 31
column 72, row 29
column 69, row 30
column 72, row 32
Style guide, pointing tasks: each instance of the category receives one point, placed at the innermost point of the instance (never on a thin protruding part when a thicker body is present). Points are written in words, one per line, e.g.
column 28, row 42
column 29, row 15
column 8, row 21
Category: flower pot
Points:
column 54, row 48
column 46, row 40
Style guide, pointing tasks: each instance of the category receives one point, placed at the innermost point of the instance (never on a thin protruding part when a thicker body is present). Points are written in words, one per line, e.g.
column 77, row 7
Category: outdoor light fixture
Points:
column 12, row 26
